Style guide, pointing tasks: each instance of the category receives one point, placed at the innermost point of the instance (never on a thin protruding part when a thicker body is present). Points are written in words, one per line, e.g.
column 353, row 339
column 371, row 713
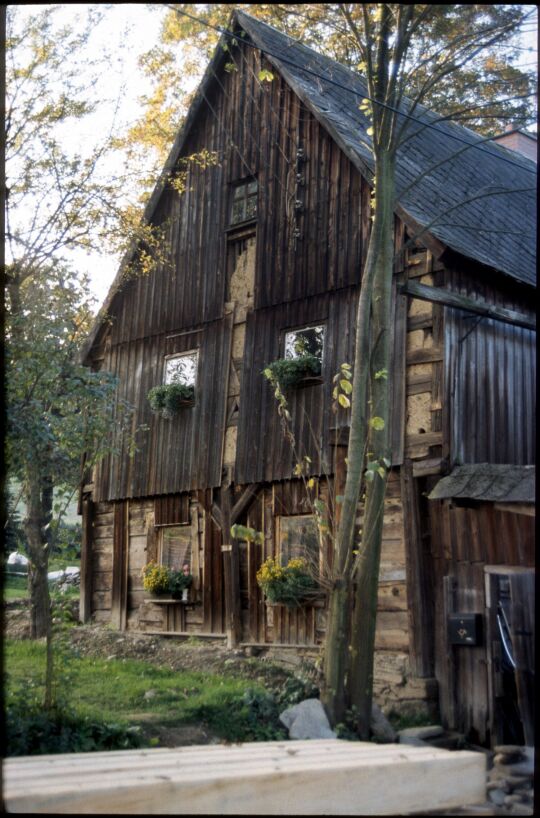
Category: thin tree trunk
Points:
column 37, row 547
column 337, row 643
column 367, row 575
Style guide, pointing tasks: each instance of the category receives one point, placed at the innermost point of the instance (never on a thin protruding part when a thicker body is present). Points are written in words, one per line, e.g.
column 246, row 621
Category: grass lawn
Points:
column 16, row 587
column 114, row 691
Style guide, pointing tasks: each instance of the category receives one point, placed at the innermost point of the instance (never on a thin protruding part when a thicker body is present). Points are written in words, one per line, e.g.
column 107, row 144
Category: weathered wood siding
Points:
column 181, row 453
column 464, row 540
column 302, row 251
column 263, row 453
column 490, row 368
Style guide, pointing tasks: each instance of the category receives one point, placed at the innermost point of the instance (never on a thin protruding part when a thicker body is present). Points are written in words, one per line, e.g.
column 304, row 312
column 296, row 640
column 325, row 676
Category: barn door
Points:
column 510, row 648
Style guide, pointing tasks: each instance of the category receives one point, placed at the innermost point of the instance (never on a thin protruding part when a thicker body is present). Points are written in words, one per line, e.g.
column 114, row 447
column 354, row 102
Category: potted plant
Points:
column 289, row 372
column 168, row 399
column 290, row 585
column 180, row 582
column 156, row 578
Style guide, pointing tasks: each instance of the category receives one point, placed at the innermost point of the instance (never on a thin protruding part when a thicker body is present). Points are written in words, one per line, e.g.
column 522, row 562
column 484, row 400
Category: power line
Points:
column 226, row 33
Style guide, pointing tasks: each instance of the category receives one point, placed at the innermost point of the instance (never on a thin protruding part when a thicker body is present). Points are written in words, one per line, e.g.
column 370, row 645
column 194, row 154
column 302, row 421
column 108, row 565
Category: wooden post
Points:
column 449, row 590
column 231, row 571
column 85, row 604
column 418, row 589
column 120, row 564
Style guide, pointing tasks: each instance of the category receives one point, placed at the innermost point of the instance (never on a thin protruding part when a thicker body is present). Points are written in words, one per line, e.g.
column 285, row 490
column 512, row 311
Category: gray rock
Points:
column 525, row 767
column 150, row 694
column 497, row 796
column 429, row 731
column 412, row 740
column 380, row 726
column 307, row 720
column 509, row 749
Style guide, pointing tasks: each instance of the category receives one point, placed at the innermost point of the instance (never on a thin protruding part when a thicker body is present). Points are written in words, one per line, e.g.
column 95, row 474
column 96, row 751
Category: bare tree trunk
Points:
column 367, row 575
column 39, row 556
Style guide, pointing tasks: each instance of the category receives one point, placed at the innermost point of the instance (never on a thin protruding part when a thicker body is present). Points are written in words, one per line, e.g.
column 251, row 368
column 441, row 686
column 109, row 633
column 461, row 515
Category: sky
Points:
column 126, row 31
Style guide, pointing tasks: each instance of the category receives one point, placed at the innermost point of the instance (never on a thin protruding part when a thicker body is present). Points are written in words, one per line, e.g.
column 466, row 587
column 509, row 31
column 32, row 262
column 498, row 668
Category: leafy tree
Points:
column 486, row 93
column 56, row 409
column 393, row 41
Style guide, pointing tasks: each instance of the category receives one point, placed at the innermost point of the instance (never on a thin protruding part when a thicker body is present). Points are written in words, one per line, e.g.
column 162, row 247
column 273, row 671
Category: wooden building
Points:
column 265, row 243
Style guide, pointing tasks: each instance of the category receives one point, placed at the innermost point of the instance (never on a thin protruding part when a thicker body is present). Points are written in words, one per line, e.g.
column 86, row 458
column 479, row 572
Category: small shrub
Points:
column 167, row 399
column 290, row 371
column 289, row 585
column 34, row 731
column 251, row 716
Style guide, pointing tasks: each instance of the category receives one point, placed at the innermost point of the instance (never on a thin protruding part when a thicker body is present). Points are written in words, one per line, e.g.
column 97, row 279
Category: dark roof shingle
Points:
column 481, row 203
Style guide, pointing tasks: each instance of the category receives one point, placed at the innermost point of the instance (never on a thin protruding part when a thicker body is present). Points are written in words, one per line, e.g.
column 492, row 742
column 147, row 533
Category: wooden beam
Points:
column 303, row 777
column 246, row 498
column 517, row 508
column 437, row 295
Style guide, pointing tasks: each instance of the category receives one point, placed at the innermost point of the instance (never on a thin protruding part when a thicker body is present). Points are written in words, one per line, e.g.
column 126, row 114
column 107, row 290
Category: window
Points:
column 307, row 341
column 244, row 202
column 175, row 546
column 182, row 368
column 299, row 537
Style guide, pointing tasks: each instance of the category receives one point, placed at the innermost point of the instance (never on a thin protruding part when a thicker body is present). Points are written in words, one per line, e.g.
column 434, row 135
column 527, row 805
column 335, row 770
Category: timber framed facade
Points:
column 269, row 238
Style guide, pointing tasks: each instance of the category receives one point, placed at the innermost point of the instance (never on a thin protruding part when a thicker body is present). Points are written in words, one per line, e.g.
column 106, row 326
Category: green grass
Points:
column 15, row 587
column 235, row 709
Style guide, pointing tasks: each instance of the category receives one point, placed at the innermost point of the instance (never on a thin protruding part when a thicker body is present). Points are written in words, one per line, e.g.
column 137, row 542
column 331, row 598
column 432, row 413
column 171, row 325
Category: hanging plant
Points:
column 290, row 585
column 168, row 399
column 289, row 372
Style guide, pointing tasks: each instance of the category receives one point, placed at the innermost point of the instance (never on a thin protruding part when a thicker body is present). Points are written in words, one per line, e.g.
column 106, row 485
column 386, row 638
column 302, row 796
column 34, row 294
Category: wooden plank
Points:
column 119, row 566
column 85, row 603
column 315, row 777
column 462, row 302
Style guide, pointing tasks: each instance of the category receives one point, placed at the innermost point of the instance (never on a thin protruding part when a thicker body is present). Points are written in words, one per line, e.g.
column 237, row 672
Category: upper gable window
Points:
column 182, row 368
column 306, row 341
column 243, row 202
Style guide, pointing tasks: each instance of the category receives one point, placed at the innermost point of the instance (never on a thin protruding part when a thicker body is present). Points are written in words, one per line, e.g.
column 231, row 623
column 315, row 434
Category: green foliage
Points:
column 290, row 585
column 243, row 532
column 251, row 716
column 31, row 730
column 288, row 372
column 178, row 583
column 168, row 399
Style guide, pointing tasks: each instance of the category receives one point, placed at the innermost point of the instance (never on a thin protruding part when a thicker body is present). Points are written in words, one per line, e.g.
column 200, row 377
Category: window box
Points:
column 168, row 399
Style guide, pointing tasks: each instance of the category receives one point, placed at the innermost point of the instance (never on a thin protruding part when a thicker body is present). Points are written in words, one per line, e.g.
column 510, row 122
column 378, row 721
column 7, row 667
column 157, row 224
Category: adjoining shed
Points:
column 266, row 249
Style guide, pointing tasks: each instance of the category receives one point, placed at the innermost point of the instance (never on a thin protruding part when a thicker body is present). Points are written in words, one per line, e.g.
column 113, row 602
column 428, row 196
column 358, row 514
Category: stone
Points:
column 497, row 796
column 515, row 798
column 509, row 749
column 525, row 767
column 381, row 727
column 519, row 781
column 150, row 694
column 506, row 759
column 307, row 720
column 412, row 740
column 426, row 732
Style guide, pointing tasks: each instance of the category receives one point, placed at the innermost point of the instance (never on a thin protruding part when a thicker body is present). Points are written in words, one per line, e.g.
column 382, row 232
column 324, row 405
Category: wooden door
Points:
column 510, row 598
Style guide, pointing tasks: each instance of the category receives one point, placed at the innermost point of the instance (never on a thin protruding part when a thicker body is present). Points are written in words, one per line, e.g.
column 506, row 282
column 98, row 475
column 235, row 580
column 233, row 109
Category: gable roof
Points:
column 497, row 230
column 466, row 202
